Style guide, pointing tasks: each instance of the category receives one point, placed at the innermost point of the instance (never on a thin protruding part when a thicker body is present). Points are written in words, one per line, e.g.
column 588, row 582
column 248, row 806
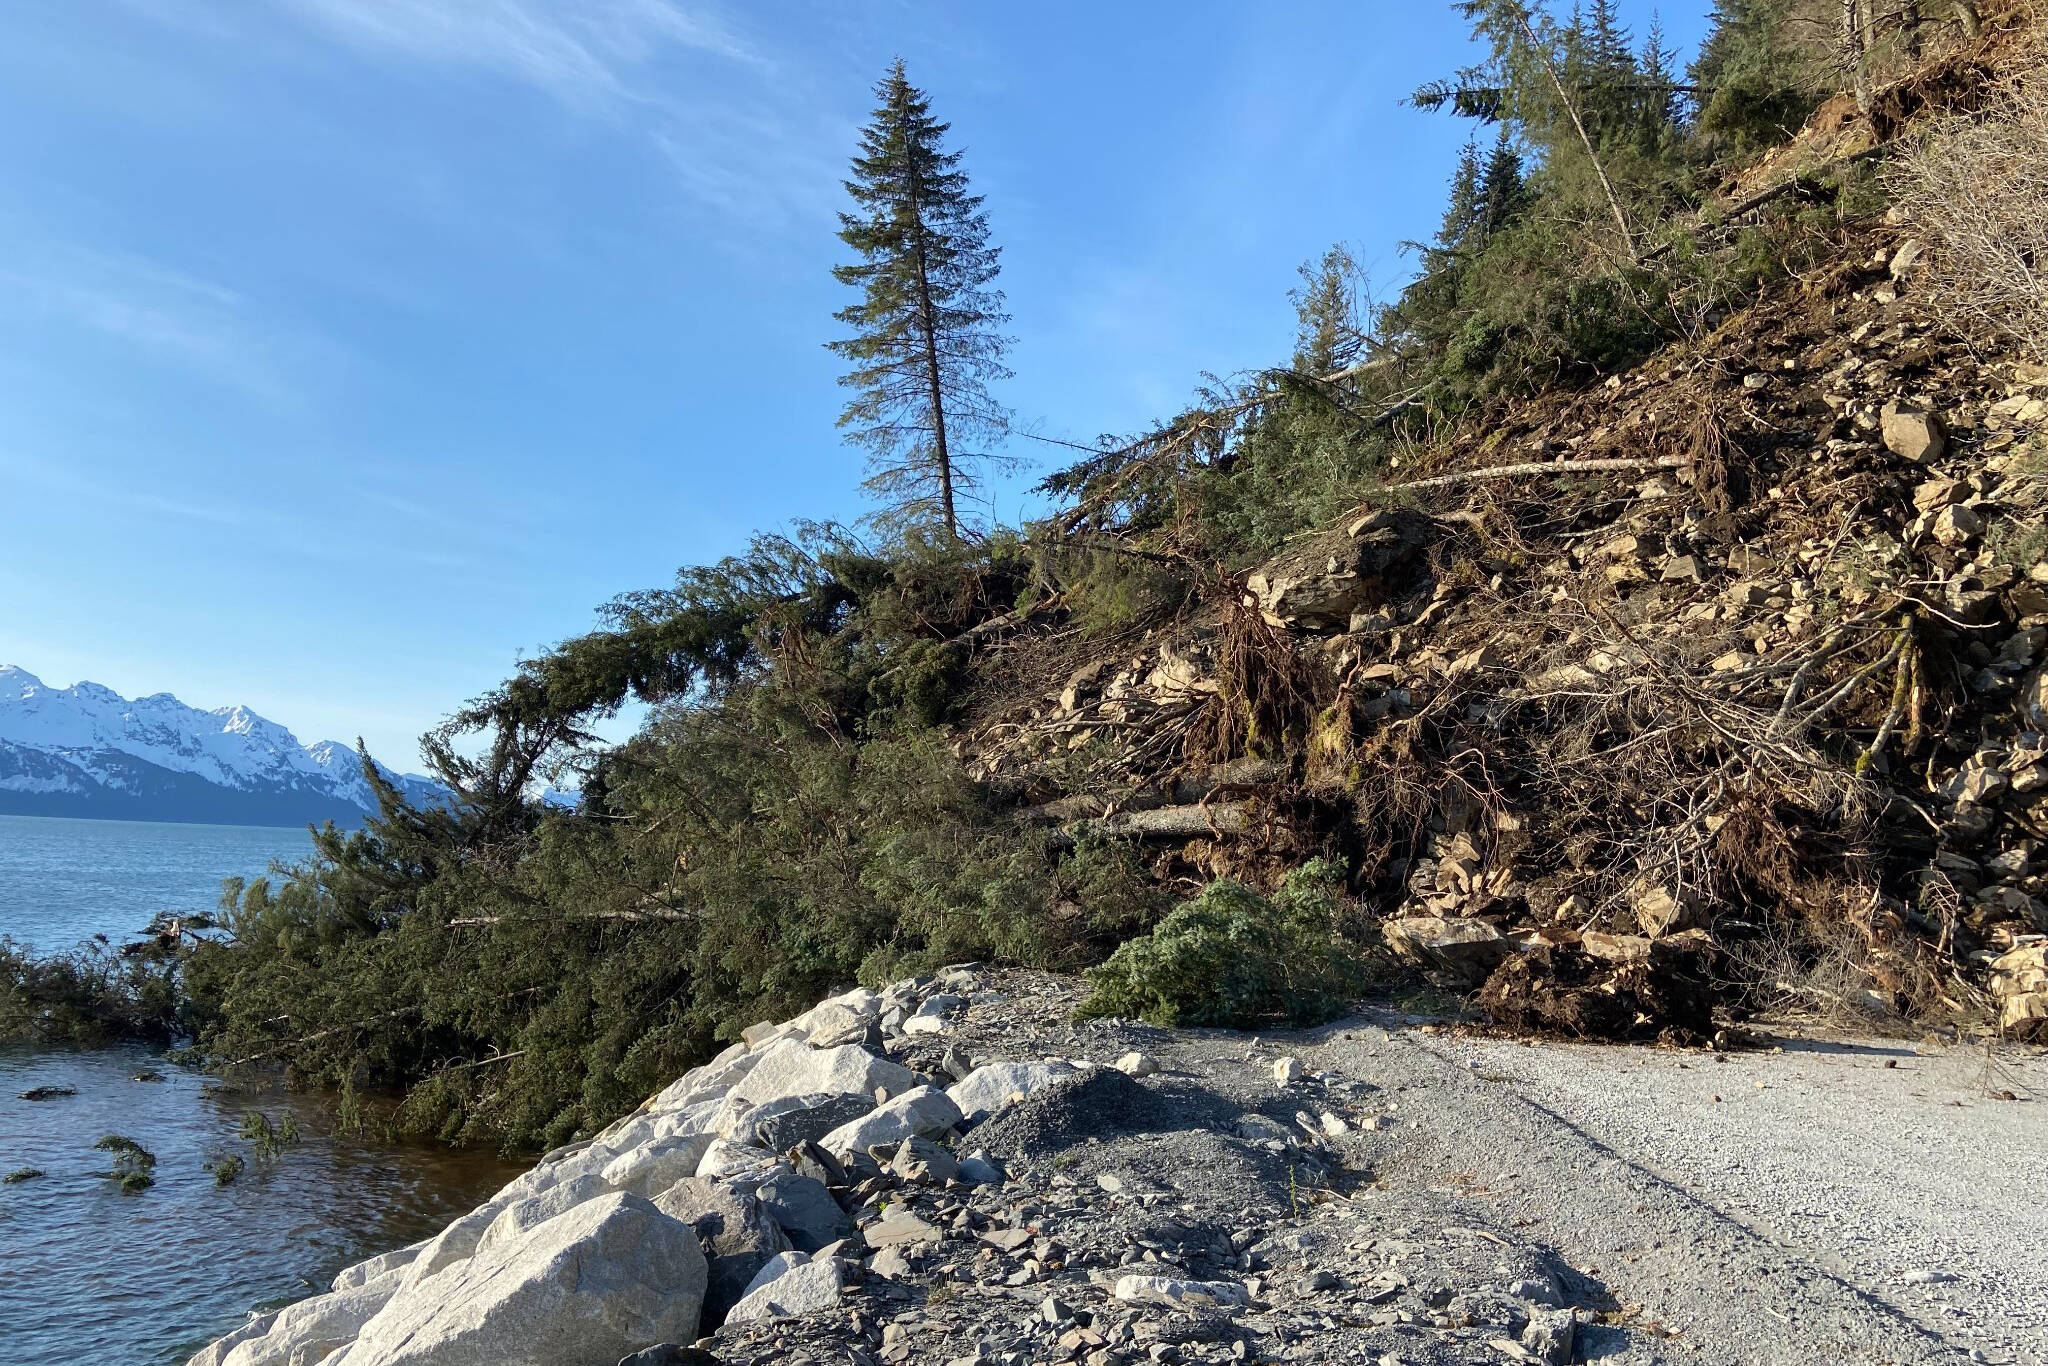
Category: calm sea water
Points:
column 90, row 1274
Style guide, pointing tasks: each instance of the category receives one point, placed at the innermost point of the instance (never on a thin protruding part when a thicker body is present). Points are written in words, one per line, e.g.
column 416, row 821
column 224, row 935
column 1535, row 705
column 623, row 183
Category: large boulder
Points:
column 607, row 1278
column 519, row 1216
column 791, row 1068
column 1466, row 949
column 737, row 1235
column 988, row 1089
column 1319, row 585
column 924, row 1112
column 804, row 1209
column 796, row 1120
column 453, row 1244
column 806, row 1288
column 306, row 1333
column 654, row 1167
column 363, row 1272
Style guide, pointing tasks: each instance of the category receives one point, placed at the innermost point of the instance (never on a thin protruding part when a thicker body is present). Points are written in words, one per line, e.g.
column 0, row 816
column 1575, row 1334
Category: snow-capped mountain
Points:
column 87, row 751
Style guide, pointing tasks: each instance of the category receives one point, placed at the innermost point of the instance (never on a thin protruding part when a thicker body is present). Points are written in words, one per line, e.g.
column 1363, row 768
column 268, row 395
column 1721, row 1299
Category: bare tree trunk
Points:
column 1855, row 55
column 1628, row 238
column 937, row 392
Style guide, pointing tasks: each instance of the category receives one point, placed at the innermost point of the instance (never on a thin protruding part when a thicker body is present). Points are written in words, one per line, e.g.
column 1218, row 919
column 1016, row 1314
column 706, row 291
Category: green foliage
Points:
column 791, row 818
column 1233, row 958
column 19, row 1175
column 269, row 1138
column 89, row 997
column 926, row 343
column 133, row 1163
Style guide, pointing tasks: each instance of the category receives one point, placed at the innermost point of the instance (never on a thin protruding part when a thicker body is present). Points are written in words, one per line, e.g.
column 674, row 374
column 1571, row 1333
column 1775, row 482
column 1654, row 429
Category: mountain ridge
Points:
column 87, row 751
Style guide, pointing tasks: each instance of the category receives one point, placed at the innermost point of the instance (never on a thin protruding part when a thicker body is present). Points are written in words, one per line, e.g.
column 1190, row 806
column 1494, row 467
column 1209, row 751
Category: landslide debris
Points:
column 1732, row 696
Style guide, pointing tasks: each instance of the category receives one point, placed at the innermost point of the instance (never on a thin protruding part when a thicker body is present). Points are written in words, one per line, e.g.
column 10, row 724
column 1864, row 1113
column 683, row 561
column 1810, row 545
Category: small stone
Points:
column 1321, row 1279
column 1913, row 433
column 900, row 1227
column 1136, row 1065
column 1181, row 1294
column 1956, row 525
column 1929, row 1276
column 890, row 1262
column 1551, row 1336
column 1287, row 1071
column 1684, row 569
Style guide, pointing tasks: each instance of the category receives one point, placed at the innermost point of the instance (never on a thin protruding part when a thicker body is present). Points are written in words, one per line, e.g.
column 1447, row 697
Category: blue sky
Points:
column 351, row 349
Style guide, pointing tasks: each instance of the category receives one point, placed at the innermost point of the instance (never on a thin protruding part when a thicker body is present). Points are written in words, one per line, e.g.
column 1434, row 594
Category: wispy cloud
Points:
column 746, row 136
column 587, row 52
column 163, row 312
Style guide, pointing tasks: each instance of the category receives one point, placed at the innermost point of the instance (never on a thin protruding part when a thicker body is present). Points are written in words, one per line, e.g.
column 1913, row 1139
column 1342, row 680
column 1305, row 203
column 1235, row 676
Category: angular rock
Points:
column 521, row 1215
column 804, row 1210
column 584, row 1289
column 793, row 1121
column 1552, row 1336
column 978, row 1169
column 363, row 1272
column 1136, row 1065
column 1176, row 1293
column 1320, row 585
column 899, row 1227
column 654, row 1167
column 1913, row 433
column 923, row 1112
column 452, row 1245
column 1469, row 949
column 988, row 1089
column 312, row 1329
column 724, row 1160
column 806, row 1289
column 922, row 1162
column 737, row 1233
column 790, row 1068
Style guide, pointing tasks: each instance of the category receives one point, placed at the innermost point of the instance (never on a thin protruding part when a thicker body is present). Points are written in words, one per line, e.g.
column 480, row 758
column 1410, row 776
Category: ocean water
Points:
column 90, row 1274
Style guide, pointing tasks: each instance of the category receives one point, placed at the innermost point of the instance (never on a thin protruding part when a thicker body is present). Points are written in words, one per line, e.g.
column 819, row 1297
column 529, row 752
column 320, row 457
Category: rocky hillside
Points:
column 1719, row 684
column 950, row 1170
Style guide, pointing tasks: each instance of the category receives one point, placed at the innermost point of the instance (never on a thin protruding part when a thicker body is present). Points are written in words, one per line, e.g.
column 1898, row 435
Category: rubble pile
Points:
column 851, row 1185
column 1778, row 683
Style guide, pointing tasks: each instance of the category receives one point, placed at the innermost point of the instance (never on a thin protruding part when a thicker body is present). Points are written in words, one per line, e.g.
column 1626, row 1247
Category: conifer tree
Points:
column 926, row 341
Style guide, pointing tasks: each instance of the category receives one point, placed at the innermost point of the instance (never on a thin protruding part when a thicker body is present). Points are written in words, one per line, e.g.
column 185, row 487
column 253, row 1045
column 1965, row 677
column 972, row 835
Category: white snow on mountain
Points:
column 85, row 736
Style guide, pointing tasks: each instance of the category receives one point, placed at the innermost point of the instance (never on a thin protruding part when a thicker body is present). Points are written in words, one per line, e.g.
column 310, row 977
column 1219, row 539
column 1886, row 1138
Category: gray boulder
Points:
column 363, row 1272
column 804, row 1210
column 925, row 1112
column 610, row 1277
column 791, row 1068
column 794, row 1121
column 307, row 1332
column 737, row 1234
column 519, row 1216
column 453, row 1244
column 654, row 1167
column 806, row 1289
column 988, row 1089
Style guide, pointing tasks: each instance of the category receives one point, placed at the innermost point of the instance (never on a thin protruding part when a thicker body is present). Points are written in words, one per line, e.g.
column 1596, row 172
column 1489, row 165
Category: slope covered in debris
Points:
column 1718, row 685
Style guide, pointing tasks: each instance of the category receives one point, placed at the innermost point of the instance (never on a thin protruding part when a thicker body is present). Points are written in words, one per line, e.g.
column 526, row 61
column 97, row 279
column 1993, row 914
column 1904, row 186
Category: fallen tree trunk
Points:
column 1165, row 823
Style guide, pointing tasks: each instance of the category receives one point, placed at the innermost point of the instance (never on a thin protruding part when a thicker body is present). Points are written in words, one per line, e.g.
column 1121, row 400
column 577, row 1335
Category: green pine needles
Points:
column 926, row 341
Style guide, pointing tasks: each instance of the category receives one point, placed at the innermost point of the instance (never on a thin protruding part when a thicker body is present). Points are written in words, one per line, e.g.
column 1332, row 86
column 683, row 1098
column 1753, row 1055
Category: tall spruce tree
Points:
column 927, row 340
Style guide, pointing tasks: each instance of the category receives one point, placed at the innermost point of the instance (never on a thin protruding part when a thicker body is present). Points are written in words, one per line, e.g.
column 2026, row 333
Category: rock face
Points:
column 583, row 1289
